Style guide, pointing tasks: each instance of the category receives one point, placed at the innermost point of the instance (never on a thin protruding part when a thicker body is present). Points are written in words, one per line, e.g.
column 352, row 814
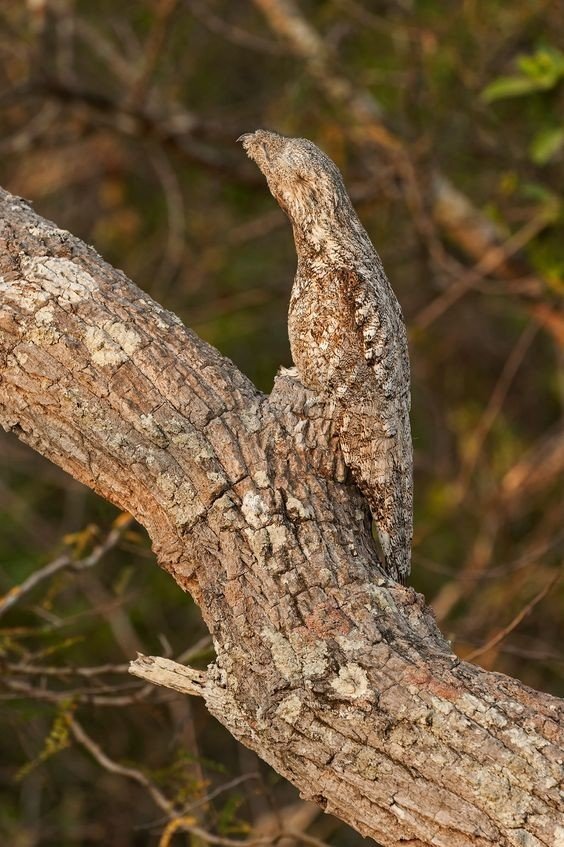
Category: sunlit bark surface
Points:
column 335, row 675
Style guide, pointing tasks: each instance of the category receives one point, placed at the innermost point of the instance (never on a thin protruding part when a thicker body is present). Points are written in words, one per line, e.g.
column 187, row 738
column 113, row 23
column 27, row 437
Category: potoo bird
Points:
column 347, row 333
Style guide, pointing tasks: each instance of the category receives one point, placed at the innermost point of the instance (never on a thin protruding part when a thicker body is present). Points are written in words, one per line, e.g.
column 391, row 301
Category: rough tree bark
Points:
column 335, row 675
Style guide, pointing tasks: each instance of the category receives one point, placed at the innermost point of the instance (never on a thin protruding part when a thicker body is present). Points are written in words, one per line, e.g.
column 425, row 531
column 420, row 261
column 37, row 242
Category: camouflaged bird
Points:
column 347, row 333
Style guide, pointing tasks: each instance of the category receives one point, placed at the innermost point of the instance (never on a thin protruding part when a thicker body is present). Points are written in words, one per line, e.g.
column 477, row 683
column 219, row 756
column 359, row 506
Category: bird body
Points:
column 347, row 333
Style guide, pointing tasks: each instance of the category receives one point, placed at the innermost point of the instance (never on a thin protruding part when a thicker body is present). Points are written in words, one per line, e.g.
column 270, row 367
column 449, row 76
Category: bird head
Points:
column 305, row 182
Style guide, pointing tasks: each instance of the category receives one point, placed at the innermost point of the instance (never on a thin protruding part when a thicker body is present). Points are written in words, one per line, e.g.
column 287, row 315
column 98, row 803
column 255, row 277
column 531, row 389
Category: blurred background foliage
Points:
column 119, row 122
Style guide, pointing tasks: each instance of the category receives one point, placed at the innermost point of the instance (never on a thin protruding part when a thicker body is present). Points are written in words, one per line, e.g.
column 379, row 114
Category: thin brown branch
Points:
column 175, row 250
column 67, row 560
column 231, row 31
column 174, row 131
column 203, row 801
column 187, row 824
column 156, row 41
column 495, row 404
column 179, row 821
column 539, row 468
column 507, row 630
column 65, row 670
column 494, row 259
column 203, row 646
column 80, row 695
column 114, row 767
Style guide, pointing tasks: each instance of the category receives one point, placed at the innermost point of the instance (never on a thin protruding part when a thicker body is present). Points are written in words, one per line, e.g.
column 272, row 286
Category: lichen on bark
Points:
column 328, row 670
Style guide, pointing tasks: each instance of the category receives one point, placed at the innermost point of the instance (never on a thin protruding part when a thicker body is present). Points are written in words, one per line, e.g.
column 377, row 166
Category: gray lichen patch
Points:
column 278, row 537
column 352, row 643
column 44, row 316
column 254, row 509
column 313, row 657
column 526, row 839
column 61, row 278
column 43, row 333
column 352, row 683
column 27, row 297
column 183, row 503
column 102, row 349
column 250, row 418
column 289, row 709
column 225, row 513
column 261, row 479
column 283, row 655
column 297, row 510
column 295, row 658
column 150, row 427
column 127, row 338
column 113, row 344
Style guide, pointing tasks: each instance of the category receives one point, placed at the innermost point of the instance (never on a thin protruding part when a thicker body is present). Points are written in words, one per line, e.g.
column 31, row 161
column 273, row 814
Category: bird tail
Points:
column 380, row 460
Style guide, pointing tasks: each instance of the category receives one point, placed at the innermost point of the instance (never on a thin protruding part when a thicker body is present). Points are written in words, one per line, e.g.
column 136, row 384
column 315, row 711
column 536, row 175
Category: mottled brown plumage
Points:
column 346, row 330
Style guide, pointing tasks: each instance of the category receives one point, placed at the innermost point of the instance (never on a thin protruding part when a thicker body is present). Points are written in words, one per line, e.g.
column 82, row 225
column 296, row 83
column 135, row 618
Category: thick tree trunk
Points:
column 333, row 674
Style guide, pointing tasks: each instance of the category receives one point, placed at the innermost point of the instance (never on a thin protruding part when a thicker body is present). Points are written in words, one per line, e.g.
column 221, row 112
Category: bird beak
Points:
column 245, row 136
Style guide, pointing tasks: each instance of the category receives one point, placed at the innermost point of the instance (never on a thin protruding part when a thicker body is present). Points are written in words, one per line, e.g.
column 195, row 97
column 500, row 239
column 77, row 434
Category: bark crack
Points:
column 326, row 668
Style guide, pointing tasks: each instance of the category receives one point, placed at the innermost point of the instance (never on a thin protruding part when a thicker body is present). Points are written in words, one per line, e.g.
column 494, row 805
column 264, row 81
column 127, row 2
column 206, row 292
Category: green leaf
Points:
column 509, row 86
column 546, row 66
column 538, row 192
column 546, row 144
column 540, row 71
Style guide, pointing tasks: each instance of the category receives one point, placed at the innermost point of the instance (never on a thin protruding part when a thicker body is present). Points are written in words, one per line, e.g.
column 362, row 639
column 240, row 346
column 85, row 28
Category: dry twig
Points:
column 67, row 560
column 503, row 633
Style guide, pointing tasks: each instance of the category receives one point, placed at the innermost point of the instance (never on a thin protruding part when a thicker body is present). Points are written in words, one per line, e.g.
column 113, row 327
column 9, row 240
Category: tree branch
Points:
column 335, row 676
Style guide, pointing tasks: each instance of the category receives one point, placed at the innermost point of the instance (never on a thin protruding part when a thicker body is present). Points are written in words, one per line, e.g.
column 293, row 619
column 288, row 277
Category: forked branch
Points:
column 333, row 674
